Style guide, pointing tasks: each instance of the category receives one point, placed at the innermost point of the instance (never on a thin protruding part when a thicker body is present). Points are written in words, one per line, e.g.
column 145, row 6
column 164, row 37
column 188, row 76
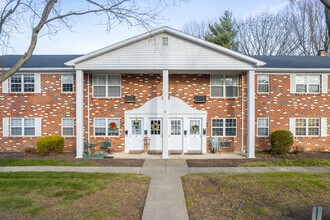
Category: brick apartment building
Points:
column 173, row 88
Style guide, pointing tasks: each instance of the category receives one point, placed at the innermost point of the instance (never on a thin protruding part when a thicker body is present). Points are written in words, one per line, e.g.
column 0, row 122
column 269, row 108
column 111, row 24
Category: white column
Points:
column 165, row 114
column 79, row 113
column 251, row 114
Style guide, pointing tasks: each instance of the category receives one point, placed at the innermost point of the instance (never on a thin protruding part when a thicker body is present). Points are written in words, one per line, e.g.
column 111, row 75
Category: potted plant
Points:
column 214, row 145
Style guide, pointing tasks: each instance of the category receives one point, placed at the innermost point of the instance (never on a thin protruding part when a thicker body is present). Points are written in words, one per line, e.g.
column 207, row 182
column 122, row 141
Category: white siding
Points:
column 151, row 54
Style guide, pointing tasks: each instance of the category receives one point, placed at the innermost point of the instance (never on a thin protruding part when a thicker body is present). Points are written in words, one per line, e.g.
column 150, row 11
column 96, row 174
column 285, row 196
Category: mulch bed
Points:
column 260, row 157
column 71, row 158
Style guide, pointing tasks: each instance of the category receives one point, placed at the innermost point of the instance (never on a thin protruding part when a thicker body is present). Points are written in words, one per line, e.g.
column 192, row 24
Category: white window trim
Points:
column 263, row 83
column 22, row 127
column 224, row 128
column 73, row 89
column 107, row 87
column 224, row 86
column 307, row 126
column 67, row 127
column 262, row 127
column 307, row 88
column 22, row 84
column 107, row 127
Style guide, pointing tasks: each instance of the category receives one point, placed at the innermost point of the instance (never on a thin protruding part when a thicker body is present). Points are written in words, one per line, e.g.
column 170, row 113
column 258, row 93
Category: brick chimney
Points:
column 322, row 53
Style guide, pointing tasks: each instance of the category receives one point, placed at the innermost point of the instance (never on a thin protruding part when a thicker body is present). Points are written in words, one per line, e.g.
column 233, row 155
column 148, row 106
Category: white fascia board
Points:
column 53, row 69
column 169, row 30
column 292, row 70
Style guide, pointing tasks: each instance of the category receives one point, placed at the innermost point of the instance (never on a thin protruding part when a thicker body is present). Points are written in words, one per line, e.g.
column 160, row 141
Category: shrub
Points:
column 50, row 144
column 281, row 142
column 30, row 150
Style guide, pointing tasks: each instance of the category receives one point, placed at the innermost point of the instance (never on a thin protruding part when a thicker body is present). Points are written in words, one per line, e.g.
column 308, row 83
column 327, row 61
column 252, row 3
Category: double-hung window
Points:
column 106, row 86
column 22, row 127
column 224, row 127
column 22, row 83
column 307, row 127
column 67, row 83
column 263, row 127
column 263, row 83
column 307, row 84
column 106, row 127
column 67, row 127
column 224, row 86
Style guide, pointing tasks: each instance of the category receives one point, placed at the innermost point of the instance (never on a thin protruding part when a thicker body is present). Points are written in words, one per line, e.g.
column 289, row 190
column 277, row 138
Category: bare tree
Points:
column 197, row 29
column 47, row 17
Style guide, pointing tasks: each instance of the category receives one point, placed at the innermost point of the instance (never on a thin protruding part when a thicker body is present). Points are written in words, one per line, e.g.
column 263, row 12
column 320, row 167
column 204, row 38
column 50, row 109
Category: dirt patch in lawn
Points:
column 69, row 157
column 256, row 196
column 50, row 195
column 260, row 157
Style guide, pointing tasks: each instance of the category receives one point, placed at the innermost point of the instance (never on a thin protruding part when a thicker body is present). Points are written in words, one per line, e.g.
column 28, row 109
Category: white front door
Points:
column 136, row 134
column 156, row 128
column 195, row 135
column 175, row 136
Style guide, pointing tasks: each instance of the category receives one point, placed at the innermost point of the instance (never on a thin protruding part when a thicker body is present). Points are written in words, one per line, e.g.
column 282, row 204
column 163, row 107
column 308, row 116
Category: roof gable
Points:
column 147, row 52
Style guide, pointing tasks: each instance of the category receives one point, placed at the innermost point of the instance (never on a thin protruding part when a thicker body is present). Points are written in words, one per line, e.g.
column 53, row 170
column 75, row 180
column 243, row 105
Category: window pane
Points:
column 301, row 123
column 29, row 79
column 300, row 131
column 114, row 91
column 67, row 131
column 100, row 123
column 16, row 87
column 313, row 131
column 301, row 88
column 67, row 79
column 263, row 88
column 194, row 127
column 313, row 122
column 113, row 127
column 314, row 88
column 99, row 131
column 100, row 80
column 231, row 91
column 16, row 78
column 216, row 91
column 231, row 80
column 16, row 131
column 28, row 87
column 230, row 122
column 263, row 79
column 301, row 80
column 99, row 91
column 314, row 79
column 29, row 131
column 68, row 122
column 263, row 131
column 136, row 127
column 114, row 80
column 217, row 122
column 29, row 122
column 67, row 87
column 230, row 131
column 16, row 122
column 217, row 132
column 262, row 122
column 217, row 80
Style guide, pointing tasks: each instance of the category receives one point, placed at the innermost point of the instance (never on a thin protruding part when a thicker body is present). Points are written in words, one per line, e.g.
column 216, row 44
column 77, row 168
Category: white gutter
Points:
column 293, row 70
column 43, row 69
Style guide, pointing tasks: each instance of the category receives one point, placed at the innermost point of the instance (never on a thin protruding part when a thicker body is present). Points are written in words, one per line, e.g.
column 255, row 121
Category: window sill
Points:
column 225, row 97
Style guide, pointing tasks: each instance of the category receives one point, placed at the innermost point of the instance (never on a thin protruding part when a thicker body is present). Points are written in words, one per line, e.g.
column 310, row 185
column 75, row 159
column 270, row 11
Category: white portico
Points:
column 170, row 123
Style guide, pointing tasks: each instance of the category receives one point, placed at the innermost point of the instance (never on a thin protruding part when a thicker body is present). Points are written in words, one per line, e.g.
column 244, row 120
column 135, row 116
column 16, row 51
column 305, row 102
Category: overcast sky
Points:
column 87, row 36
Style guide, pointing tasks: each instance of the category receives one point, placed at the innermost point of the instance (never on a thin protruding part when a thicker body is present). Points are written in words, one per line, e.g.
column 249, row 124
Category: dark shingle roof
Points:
column 37, row 61
column 57, row 61
column 294, row 61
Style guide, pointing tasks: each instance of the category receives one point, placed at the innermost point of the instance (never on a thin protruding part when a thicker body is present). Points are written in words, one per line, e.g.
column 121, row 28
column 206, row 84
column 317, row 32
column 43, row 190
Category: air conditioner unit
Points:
column 129, row 98
column 200, row 99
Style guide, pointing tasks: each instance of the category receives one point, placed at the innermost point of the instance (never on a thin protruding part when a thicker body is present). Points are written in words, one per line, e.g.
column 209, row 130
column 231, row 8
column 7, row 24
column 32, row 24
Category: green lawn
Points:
column 256, row 196
column 32, row 195
column 297, row 162
column 32, row 162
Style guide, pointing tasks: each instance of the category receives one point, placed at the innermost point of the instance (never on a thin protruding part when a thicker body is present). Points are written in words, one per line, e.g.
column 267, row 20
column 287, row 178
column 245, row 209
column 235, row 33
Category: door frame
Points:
column 181, row 119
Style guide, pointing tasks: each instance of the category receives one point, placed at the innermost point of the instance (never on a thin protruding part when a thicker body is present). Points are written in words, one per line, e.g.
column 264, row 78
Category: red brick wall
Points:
column 52, row 106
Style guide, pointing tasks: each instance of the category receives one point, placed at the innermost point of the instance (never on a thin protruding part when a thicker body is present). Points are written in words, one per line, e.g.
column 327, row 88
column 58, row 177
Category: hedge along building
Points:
column 173, row 88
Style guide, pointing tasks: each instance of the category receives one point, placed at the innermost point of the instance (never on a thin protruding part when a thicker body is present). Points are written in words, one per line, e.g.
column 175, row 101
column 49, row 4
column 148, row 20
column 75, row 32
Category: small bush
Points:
column 281, row 142
column 30, row 150
column 50, row 144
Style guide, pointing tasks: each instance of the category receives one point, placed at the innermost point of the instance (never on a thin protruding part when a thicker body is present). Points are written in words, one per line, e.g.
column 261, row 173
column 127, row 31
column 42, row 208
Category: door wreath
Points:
column 112, row 126
column 136, row 124
column 194, row 129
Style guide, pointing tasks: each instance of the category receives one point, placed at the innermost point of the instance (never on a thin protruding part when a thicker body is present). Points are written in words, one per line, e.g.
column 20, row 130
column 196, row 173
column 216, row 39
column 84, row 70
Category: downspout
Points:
column 242, row 141
column 88, row 109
